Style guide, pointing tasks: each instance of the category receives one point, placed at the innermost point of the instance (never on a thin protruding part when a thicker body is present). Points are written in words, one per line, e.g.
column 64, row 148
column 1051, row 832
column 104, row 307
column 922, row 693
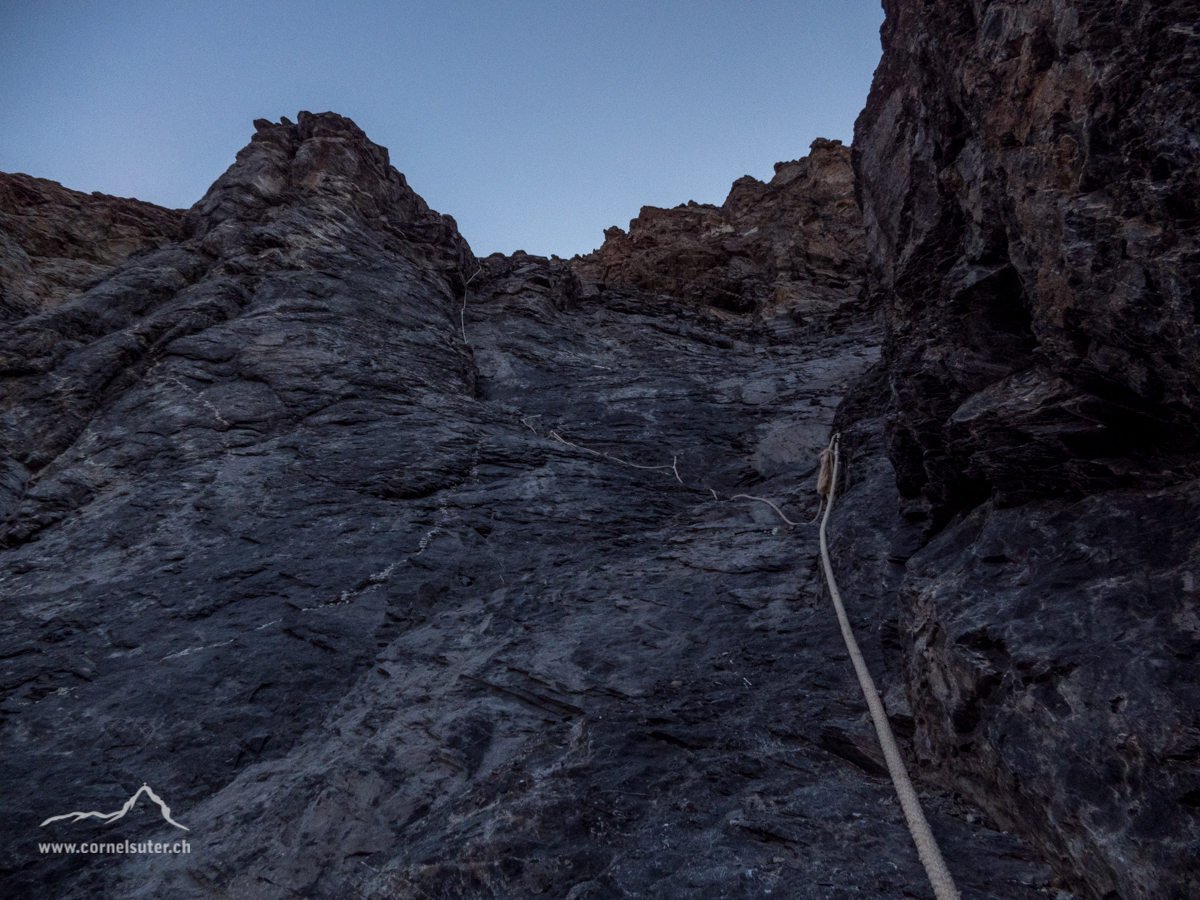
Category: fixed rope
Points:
column 927, row 848
column 462, row 313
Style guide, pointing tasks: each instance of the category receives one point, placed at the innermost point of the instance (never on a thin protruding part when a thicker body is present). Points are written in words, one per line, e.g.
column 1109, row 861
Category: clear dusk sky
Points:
column 535, row 124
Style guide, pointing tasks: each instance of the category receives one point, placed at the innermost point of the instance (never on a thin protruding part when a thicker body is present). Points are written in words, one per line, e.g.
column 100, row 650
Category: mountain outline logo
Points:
column 113, row 816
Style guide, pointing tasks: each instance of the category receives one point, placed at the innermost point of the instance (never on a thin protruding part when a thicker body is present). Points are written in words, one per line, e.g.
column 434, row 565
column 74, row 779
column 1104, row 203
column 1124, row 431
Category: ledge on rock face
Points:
column 793, row 244
column 534, row 279
column 55, row 242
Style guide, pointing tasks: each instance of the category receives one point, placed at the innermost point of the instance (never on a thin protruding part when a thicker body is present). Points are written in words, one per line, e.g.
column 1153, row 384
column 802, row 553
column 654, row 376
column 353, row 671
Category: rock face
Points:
column 392, row 589
column 402, row 573
column 56, row 243
column 794, row 244
column 1029, row 175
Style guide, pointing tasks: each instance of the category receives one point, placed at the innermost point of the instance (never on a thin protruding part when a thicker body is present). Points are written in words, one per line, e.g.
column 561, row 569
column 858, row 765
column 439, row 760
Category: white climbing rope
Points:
column 927, row 848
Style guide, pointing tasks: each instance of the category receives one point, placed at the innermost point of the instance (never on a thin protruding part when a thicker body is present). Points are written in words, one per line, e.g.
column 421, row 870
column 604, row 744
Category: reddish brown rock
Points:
column 794, row 243
column 56, row 243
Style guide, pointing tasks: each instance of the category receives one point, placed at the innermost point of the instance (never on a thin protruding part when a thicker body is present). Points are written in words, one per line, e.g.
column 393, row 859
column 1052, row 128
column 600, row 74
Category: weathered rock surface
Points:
column 392, row 590
column 1029, row 174
column 56, row 243
column 794, row 244
column 1029, row 177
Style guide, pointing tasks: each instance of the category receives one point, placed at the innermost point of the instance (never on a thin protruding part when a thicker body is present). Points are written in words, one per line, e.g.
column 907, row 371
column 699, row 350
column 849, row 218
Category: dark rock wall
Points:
column 392, row 590
column 794, row 243
column 1029, row 174
column 188, row 449
column 404, row 573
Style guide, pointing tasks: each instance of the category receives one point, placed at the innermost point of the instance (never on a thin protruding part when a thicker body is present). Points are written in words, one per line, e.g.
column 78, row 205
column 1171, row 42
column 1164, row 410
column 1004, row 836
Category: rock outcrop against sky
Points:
column 792, row 244
column 396, row 572
column 55, row 243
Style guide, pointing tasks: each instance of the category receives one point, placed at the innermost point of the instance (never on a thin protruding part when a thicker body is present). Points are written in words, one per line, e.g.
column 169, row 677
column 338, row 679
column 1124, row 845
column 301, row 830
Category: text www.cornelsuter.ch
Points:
column 118, row 847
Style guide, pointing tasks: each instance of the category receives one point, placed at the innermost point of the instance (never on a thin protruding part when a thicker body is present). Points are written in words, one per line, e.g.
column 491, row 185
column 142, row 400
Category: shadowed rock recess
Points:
column 396, row 572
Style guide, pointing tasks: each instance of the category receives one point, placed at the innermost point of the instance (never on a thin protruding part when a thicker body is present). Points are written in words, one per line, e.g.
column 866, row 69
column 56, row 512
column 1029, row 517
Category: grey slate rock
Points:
column 381, row 611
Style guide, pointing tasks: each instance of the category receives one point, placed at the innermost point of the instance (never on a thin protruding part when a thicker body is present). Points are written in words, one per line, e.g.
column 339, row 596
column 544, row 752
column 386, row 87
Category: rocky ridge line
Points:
column 793, row 245
column 56, row 243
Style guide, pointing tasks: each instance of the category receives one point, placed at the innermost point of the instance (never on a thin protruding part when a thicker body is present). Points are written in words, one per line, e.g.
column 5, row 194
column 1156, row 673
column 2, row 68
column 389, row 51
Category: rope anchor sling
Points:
column 927, row 848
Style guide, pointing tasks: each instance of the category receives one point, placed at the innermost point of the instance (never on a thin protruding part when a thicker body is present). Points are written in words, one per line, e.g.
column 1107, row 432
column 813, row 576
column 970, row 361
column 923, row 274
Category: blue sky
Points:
column 535, row 124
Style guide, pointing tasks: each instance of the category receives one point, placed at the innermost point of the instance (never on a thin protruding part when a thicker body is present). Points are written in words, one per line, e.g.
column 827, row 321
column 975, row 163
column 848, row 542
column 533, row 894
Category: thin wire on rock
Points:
column 462, row 313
